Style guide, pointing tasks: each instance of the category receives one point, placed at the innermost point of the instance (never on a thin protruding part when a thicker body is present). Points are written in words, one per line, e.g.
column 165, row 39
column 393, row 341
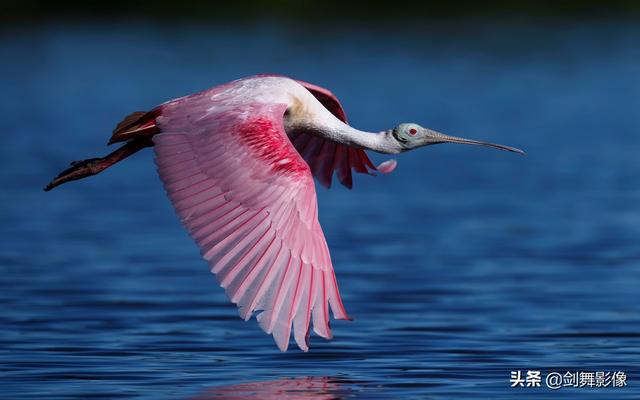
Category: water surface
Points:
column 461, row 266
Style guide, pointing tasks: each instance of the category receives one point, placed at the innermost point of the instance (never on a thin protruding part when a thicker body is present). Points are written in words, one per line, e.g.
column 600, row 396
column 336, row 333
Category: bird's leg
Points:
column 92, row 166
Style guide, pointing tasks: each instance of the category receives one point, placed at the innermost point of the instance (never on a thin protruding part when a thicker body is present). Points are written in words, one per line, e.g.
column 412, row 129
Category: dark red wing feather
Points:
column 136, row 125
column 325, row 157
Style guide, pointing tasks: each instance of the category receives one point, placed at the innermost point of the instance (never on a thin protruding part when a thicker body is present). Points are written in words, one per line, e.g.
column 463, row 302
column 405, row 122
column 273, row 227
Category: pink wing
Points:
column 324, row 157
column 248, row 199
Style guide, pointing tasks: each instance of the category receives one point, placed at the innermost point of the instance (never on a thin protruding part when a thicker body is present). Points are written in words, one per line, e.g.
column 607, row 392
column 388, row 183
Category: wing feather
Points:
column 247, row 198
column 323, row 156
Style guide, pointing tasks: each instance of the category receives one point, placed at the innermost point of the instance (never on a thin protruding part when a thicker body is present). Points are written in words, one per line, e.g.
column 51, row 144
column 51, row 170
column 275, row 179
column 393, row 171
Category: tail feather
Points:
column 136, row 125
column 129, row 121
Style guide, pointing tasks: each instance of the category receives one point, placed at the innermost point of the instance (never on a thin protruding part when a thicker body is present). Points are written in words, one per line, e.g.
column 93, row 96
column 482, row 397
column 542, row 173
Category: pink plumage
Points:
column 238, row 163
column 298, row 388
column 325, row 156
column 244, row 190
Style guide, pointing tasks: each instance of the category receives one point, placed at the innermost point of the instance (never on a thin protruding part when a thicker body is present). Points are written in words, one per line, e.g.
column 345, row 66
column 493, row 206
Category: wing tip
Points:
column 387, row 166
column 283, row 345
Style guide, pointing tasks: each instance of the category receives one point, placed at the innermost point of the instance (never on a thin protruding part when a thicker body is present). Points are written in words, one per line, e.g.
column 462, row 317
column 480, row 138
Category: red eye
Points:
column 413, row 131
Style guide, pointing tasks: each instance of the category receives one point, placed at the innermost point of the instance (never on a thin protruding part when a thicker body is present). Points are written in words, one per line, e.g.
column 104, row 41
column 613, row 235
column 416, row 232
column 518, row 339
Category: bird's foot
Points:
column 78, row 170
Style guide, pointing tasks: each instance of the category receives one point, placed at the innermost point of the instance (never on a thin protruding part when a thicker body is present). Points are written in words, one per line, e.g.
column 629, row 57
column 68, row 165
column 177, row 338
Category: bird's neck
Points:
column 331, row 128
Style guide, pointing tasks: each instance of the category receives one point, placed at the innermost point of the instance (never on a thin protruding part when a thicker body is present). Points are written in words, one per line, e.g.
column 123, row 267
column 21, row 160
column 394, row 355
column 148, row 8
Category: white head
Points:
column 409, row 136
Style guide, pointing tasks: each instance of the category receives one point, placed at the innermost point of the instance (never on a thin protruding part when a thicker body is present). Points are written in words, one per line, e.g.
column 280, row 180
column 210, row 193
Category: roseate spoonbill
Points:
column 237, row 161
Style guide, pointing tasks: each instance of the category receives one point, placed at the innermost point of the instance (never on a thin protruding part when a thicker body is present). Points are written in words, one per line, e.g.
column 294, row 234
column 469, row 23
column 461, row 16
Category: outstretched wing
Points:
column 248, row 199
column 324, row 156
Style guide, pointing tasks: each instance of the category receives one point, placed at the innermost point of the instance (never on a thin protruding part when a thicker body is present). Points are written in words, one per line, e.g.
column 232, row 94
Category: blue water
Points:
column 463, row 265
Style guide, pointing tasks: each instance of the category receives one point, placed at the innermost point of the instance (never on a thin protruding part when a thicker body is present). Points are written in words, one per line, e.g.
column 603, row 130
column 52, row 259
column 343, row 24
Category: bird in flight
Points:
column 237, row 162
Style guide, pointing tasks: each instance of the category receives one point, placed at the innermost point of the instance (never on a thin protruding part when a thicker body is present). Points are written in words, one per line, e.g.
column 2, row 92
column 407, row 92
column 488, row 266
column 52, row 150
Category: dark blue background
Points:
column 461, row 266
